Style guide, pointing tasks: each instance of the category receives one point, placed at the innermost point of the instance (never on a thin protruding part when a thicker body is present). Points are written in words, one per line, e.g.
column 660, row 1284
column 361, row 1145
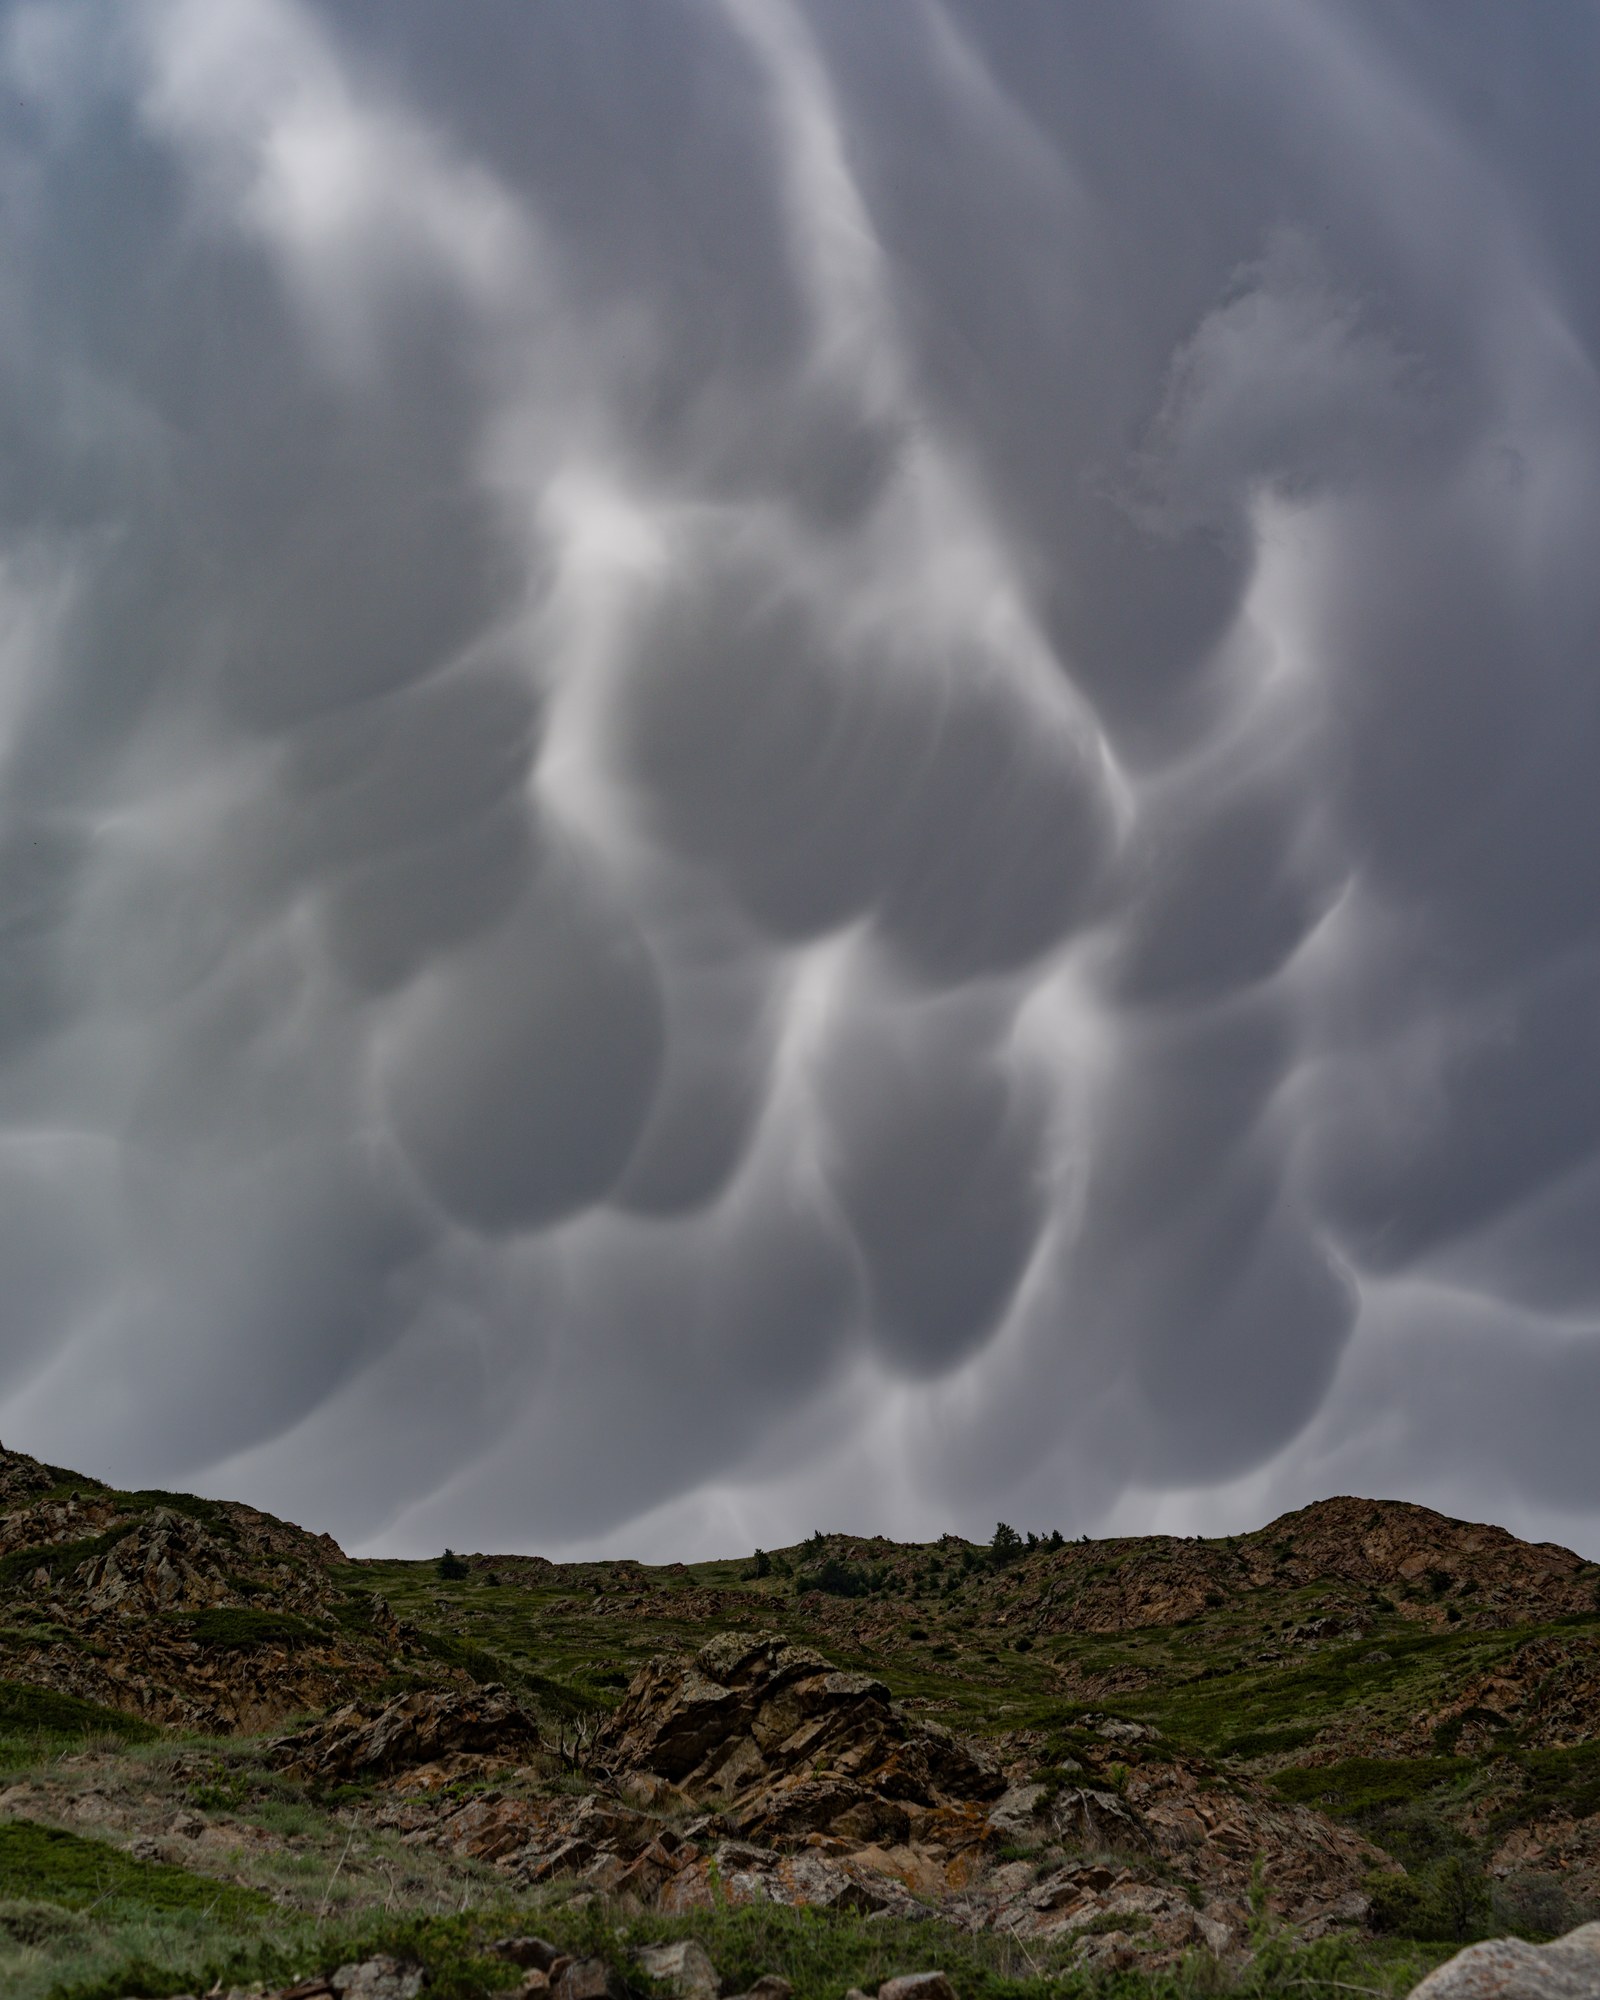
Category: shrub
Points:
column 1005, row 1545
column 450, row 1568
column 838, row 1579
column 29, row 1711
column 233, row 1629
column 1536, row 1906
column 1362, row 1785
column 1447, row 1903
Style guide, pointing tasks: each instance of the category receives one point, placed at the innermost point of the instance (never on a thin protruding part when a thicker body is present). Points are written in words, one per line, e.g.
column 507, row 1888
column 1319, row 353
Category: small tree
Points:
column 450, row 1568
column 1005, row 1545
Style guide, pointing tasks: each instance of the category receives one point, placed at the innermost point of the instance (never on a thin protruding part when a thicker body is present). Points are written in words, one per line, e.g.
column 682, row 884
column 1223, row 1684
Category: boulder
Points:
column 1018, row 1814
column 378, row 1979
column 1508, row 1969
column 589, row 1979
column 917, row 1986
column 684, row 1968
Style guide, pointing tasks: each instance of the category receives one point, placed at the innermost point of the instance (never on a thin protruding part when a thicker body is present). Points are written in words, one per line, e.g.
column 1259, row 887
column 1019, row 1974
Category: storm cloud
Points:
column 765, row 762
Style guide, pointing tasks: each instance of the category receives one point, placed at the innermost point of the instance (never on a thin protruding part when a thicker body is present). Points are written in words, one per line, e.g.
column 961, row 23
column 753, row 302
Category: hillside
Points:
column 1358, row 1736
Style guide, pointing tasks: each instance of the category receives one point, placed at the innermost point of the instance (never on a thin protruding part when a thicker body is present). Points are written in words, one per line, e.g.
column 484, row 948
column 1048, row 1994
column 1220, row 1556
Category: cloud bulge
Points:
column 774, row 763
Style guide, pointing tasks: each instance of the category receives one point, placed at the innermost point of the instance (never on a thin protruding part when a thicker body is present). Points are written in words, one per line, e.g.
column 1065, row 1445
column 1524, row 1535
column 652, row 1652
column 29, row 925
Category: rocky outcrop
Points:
column 818, row 1792
column 1508, row 1969
column 207, row 1614
column 163, row 1563
column 789, row 1745
column 1425, row 1561
column 364, row 1739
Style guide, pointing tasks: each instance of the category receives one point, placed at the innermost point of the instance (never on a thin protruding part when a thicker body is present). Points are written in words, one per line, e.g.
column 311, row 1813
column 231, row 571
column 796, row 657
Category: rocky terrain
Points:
column 1349, row 1743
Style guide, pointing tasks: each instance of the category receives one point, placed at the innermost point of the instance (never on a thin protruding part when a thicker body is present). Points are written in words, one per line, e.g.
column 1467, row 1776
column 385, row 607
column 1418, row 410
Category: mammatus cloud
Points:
column 766, row 763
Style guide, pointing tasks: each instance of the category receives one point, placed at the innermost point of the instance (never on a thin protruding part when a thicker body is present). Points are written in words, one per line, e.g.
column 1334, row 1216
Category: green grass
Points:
column 1269, row 1742
column 1360, row 1786
column 26, row 1711
column 37, row 1722
column 820, row 1953
column 48, row 1864
column 231, row 1628
column 1564, row 1781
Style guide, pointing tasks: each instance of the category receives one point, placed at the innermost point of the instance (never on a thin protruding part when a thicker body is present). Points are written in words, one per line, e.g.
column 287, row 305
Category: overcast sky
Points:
column 769, row 765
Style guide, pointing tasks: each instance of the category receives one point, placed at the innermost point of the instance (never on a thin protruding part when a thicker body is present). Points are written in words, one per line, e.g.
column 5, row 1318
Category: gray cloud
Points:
column 775, row 757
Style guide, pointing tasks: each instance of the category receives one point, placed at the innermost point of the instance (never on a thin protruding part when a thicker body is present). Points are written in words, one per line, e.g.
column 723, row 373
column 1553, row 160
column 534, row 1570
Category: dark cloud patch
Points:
column 58, row 1240
column 767, row 752
column 820, row 751
column 1225, row 881
column 717, row 1062
column 936, row 1157
column 522, row 1071
column 1465, row 1117
column 41, row 859
column 832, row 777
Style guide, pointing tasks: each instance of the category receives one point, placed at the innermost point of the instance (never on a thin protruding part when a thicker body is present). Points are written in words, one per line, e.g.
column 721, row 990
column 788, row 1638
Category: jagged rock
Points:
column 793, row 1744
column 1508, row 1969
column 1095, row 1820
column 684, row 1968
column 363, row 1738
column 488, row 1828
column 165, row 1563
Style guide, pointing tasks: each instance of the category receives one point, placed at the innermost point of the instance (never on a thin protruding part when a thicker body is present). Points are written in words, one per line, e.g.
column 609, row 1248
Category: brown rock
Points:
column 794, row 1745
column 589, row 1979
column 1095, row 1819
column 363, row 1738
column 533, row 1954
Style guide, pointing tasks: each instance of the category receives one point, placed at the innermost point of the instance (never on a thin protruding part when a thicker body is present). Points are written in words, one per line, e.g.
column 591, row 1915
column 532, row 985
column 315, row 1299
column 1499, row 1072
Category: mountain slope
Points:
column 1363, row 1720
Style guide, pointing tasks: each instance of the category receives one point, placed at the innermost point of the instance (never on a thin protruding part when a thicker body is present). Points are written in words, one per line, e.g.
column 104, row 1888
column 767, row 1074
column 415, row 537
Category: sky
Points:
column 771, row 764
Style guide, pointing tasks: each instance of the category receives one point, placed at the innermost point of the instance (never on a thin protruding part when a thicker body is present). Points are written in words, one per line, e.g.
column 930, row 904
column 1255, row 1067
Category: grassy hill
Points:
column 1425, row 1691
